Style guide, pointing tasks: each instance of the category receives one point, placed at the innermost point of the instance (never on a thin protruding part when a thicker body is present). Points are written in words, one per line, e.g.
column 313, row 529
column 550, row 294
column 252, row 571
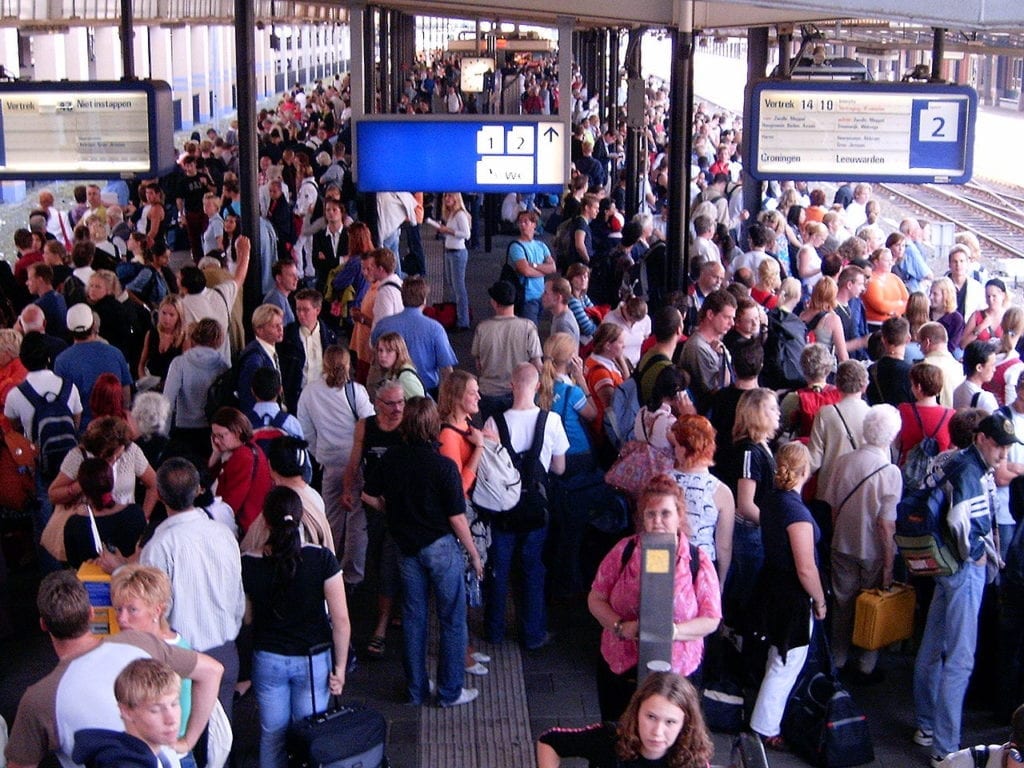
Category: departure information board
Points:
column 861, row 132
column 463, row 153
column 93, row 130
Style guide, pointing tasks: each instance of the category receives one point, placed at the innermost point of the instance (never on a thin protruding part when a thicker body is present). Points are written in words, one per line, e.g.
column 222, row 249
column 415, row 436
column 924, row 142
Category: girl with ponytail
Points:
column 286, row 584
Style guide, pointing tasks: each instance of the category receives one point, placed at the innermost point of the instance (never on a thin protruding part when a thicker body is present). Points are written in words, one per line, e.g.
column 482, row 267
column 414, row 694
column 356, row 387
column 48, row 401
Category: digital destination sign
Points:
column 85, row 130
column 461, row 153
column 861, row 132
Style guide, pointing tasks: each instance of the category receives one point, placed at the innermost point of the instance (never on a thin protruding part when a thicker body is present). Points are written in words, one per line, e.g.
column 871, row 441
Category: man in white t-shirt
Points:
column 518, row 530
column 200, row 301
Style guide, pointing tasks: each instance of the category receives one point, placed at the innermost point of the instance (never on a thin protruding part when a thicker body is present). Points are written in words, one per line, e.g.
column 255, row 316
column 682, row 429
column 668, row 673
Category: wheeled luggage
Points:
column 884, row 617
column 345, row 736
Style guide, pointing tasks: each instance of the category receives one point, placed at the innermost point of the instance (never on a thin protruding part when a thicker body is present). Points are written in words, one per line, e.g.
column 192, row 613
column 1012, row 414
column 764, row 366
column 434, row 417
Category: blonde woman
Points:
column 790, row 592
column 101, row 293
column 769, row 279
column 393, row 363
column 747, row 468
column 164, row 342
column 942, row 298
column 456, row 230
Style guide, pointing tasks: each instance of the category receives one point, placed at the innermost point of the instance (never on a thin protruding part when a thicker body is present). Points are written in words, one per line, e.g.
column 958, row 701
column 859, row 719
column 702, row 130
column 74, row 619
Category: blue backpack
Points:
column 620, row 416
column 53, row 426
column 922, row 533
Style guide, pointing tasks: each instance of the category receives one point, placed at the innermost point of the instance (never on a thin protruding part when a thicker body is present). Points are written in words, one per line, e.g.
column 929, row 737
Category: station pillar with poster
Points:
column 461, row 153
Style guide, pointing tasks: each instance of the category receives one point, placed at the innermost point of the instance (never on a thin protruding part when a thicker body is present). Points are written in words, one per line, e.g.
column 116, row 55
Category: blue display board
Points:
column 464, row 153
column 860, row 131
column 83, row 130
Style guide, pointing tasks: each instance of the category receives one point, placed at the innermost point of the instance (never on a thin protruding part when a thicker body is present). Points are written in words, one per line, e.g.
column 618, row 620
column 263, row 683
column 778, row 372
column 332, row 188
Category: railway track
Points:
column 994, row 214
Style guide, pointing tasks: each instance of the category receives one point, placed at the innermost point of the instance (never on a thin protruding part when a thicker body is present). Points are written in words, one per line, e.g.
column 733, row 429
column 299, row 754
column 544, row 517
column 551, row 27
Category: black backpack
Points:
column 53, row 427
column 785, row 342
column 532, row 510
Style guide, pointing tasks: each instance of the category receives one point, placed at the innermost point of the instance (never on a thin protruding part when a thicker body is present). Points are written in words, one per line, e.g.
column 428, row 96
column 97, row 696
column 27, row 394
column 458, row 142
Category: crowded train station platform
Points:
column 482, row 475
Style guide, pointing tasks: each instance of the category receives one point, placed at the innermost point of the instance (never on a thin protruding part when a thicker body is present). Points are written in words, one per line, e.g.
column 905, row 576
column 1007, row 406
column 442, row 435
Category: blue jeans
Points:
column 747, row 559
column 946, row 656
column 282, row 687
column 531, row 310
column 455, row 266
column 438, row 565
column 499, row 561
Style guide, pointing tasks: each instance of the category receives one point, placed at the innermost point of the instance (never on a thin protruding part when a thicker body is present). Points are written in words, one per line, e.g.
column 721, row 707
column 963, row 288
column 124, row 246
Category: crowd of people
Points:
column 782, row 401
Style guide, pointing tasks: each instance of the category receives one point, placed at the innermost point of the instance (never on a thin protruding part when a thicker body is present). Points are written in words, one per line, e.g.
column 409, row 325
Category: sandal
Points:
column 375, row 648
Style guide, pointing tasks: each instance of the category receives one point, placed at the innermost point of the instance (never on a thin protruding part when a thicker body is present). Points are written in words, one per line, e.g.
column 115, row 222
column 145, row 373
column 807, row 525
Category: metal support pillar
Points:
column 384, row 46
column 614, row 65
column 757, row 65
column 681, row 137
column 938, row 53
column 634, row 136
column 368, row 62
column 357, row 42
column 245, row 57
column 127, row 30
column 785, row 50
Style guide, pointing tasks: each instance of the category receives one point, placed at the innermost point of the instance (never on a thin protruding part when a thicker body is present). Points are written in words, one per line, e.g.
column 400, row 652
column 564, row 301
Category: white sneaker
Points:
column 483, row 658
column 467, row 695
column 922, row 737
column 477, row 669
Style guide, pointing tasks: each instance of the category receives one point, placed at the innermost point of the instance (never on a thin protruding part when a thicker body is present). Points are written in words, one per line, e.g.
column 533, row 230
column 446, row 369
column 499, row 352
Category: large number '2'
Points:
column 939, row 131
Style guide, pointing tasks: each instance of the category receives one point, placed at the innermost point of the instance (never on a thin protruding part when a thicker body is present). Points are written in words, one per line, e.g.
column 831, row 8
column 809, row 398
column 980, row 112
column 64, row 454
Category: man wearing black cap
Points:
column 500, row 343
column 946, row 656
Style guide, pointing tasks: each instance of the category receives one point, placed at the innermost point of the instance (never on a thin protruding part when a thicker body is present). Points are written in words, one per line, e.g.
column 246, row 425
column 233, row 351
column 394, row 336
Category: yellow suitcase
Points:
column 97, row 584
column 884, row 617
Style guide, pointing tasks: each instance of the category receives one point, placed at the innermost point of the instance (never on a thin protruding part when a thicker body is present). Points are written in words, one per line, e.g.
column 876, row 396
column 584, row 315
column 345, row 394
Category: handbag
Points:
column 52, row 538
column 637, row 463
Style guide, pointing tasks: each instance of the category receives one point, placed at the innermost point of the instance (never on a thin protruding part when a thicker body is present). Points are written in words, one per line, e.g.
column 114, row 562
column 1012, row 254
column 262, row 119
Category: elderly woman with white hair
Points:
column 865, row 489
column 151, row 418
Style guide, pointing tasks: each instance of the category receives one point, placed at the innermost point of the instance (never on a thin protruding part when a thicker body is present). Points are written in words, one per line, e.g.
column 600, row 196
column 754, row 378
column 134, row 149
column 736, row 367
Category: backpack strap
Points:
column 504, row 438
column 974, row 399
column 279, row 419
column 350, row 396
column 849, row 434
column 533, row 454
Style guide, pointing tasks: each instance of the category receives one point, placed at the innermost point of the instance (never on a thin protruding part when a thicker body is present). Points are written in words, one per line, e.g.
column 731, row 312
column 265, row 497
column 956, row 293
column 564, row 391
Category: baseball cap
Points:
column 999, row 428
column 503, row 293
column 79, row 318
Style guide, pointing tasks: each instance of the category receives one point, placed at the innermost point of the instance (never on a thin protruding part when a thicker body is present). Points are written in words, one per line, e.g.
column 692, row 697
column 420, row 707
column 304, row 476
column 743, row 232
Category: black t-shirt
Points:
column 191, row 189
column 889, row 382
column 376, row 443
column 595, row 743
column 748, row 460
column 422, row 489
column 292, row 622
column 122, row 529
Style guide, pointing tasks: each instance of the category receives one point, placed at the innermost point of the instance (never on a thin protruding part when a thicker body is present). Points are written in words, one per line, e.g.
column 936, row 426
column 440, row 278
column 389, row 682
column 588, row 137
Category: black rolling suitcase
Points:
column 345, row 736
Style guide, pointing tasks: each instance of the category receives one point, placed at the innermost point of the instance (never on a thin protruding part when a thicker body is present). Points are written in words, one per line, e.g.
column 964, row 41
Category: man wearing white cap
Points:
column 88, row 357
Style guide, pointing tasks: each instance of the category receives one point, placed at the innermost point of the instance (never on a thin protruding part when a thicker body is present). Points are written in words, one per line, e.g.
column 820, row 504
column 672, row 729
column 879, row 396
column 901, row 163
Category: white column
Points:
column 140, row 48
column 215, row 69
column 201, row 71
column 107, row 52
column 9, row 51
column 48, row 56
column 159, row 43
column 181, row 66
column 76, row 43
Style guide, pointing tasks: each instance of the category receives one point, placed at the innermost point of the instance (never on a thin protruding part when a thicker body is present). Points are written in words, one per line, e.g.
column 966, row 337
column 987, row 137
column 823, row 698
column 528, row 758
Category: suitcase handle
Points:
column 896, row 586
column 316, row 650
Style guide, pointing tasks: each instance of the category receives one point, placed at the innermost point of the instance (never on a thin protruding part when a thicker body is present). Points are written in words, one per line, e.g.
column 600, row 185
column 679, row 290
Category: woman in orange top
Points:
column 605, row 369
column 886, row 295
column 458, row 402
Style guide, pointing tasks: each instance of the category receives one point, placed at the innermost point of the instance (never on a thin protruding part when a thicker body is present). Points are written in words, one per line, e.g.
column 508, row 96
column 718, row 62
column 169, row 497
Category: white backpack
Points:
column 498, row 484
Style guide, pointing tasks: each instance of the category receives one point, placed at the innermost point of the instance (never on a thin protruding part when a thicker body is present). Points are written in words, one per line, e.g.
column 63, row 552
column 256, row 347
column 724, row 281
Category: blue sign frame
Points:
column 829, row 131
column 467, row 153
column 160, row 128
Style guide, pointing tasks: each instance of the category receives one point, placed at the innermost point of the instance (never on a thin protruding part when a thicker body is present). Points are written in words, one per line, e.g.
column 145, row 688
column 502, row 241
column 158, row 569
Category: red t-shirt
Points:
column 931, row 416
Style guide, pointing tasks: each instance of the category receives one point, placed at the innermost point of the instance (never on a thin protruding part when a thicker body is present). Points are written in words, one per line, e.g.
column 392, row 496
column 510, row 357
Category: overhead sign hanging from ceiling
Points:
column 72, row 130
column 470, row 154
column 827, row 131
